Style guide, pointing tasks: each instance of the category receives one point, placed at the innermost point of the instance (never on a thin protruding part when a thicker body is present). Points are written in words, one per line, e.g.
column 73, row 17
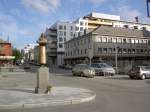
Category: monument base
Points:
column 42, row 80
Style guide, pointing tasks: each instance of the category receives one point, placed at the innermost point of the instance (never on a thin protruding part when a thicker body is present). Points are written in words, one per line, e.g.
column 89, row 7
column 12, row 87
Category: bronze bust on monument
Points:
column 43, row 71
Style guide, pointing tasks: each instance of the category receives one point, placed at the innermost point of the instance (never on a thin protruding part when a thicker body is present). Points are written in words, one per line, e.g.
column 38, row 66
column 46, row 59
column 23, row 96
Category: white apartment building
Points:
column 28, row 51
column 58, row 34
column 81, row 25
column 99, row 19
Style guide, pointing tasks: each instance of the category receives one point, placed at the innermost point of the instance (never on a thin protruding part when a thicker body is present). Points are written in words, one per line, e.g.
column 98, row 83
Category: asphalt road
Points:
column 114, row 94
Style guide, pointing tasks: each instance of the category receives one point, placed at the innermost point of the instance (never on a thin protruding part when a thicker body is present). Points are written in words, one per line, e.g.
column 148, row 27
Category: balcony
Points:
column 100, row 22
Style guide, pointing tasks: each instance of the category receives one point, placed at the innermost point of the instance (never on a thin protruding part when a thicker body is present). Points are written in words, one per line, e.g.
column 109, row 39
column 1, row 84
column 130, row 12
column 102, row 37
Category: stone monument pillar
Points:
column 43, row 71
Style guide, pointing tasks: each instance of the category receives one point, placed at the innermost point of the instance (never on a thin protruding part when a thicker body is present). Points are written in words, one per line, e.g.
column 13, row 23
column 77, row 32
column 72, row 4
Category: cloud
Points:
column 98, row 1
column 126, row 11
column 8, row 24
column 42, row 6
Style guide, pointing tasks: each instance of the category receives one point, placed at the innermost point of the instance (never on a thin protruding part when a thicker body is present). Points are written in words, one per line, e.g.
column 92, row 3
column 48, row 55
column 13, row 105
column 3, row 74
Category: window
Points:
column 143, row 28
column 119, row 40
column 144, row 41
column 81, row 51
column 104, row 39
column 136, row 41
column 124, row 50
column 109, row 50
column 64, row 39
column 99, row 50
column 81, row 23
column 81, row 28
column 124, row 40
column 114, row 40
column 85, row 51
column 77, row 28
column 129, row 50
column 105, row 50
column 109, row 40
column 60, row 27
column 135, row 27
column 132, row 41
column 98, row 39
column 81, row 41
column 119, row 50
column 71, row 28
column 60, row 45
column 60, row 39
column 126, row 26
column 64, row 27
column 60, row 33
column 140, row 41
column 64, row 33
column 128, row 40
column 71, row 33
column 84, row 40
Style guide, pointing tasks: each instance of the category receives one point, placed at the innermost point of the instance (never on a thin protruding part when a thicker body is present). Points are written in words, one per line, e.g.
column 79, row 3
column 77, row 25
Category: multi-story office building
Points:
column 59, row 33
column 108, row 44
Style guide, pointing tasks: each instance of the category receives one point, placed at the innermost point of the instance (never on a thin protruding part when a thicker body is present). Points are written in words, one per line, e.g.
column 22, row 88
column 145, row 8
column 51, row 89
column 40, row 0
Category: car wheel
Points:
column 131, row 77
column 82, row 74
column 74, row 74
column 143, row 77
column 112, row 74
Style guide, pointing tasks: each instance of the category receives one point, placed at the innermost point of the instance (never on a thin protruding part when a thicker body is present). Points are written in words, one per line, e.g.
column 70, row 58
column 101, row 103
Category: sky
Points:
column 22, row 21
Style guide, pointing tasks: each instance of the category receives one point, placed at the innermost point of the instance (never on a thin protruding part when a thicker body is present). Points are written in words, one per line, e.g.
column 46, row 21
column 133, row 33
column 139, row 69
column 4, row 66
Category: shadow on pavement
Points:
column 22, row 90
column 118, row 78
column 148, row 81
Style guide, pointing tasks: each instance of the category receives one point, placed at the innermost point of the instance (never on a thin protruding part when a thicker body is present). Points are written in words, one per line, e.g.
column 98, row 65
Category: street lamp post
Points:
column 116, row 58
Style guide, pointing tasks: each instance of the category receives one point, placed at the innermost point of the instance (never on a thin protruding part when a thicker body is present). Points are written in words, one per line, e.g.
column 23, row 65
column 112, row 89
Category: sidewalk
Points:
column 15, row 92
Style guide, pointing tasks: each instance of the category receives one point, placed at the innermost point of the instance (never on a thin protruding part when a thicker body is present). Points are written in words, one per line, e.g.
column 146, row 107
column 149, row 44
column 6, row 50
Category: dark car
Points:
column 141, row 72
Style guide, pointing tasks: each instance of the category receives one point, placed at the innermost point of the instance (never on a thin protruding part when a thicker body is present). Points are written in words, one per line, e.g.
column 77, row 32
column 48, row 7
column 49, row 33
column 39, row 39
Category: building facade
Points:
column 61, row 32
column 130, row 46
column 51, row 47
column 57, row 35
column 28, row 52
column 98, row 19
column 5, row 53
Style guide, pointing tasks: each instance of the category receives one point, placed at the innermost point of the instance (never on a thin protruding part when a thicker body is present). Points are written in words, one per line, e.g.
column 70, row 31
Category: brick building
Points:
column 5, row 52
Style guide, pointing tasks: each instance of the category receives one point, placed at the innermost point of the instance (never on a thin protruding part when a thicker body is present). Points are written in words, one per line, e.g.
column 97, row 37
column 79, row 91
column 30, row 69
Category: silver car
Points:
column 83, row 70
column 141, row 72
column 103, row 69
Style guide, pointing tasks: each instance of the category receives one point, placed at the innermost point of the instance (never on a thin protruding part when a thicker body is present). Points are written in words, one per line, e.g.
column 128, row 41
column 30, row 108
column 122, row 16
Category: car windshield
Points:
column 104, row 65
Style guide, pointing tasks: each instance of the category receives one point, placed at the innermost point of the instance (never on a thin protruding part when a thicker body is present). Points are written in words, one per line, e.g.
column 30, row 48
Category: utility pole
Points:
column 116, row 58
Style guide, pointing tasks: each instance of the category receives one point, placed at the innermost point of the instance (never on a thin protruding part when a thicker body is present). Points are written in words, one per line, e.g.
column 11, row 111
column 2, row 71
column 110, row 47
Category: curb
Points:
column 54, row 102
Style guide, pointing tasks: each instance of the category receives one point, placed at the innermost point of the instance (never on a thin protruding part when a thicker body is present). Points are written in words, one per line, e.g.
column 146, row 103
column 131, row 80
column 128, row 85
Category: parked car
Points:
column 83, row 70
column 68, row 67
column 103, row 69
column 141, row 72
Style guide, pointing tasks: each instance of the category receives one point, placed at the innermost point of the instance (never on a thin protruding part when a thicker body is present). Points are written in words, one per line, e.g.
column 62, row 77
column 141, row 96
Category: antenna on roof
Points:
column 137, row 19
column 148, row 9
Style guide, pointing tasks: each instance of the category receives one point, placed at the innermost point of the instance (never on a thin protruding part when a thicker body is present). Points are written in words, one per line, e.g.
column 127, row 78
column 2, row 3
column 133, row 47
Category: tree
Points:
column 17, row 54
